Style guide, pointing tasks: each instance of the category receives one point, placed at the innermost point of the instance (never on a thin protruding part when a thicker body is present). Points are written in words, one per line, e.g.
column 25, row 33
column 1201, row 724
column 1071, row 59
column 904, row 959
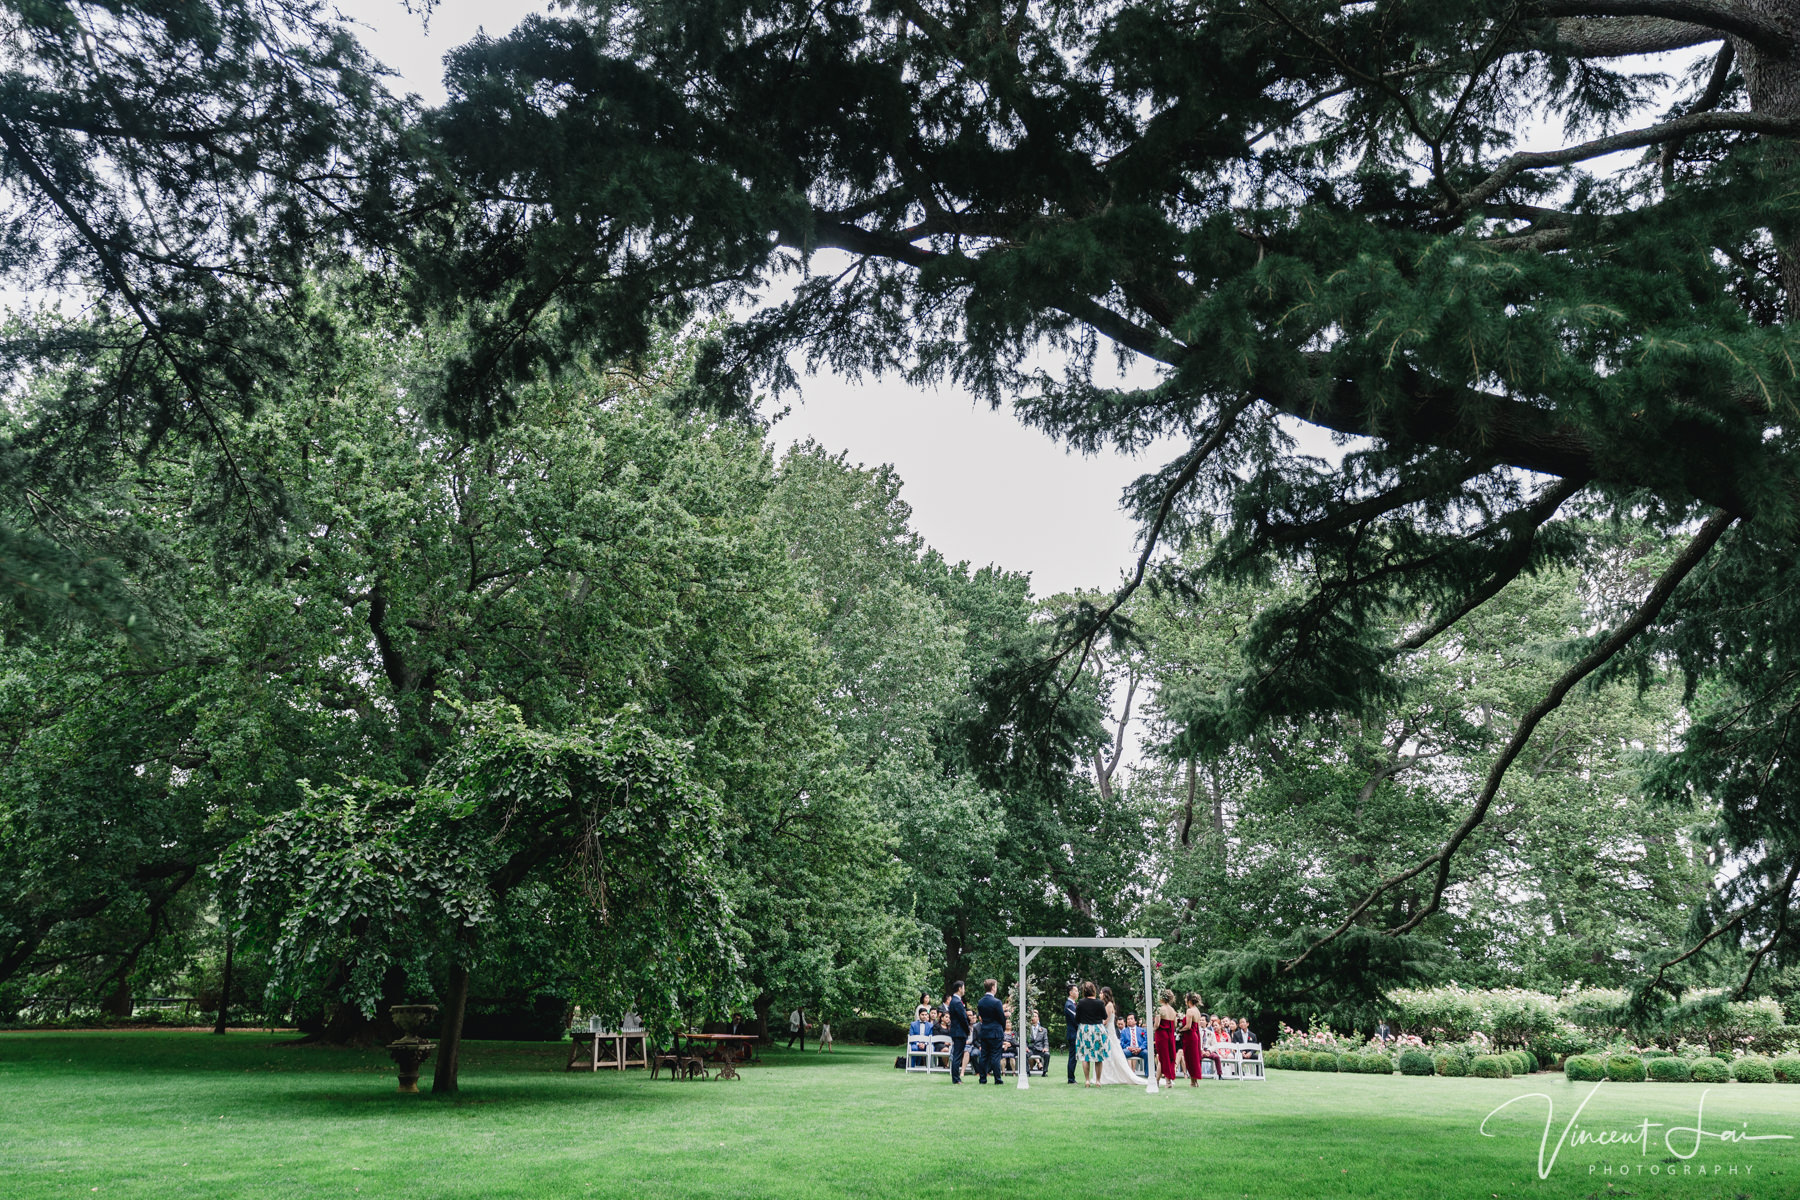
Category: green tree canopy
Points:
column 1291, row 209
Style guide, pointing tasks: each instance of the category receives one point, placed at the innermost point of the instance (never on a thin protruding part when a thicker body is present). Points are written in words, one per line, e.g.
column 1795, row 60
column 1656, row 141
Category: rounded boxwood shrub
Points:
column 1624, row 1068
column 1519, row 1063
column 1753, row 1068
column 1668, row 1069
column 1302, row 1060
column 1488, row 1066
column 1378, row 1064
column 1275, row 1060
column 1415, row 1062
column 1585, row 1068
column 1451, row 1065
column 1532, row 1065
column 1324, row 1060
column 1710, row 1070
column 1787, row 1068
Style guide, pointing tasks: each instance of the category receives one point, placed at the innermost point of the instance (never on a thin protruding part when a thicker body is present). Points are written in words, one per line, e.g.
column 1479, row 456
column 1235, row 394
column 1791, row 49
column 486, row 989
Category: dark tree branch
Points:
column 1671, row 578
column 1708, row 122
column 1718, row 18
column 1518, row 555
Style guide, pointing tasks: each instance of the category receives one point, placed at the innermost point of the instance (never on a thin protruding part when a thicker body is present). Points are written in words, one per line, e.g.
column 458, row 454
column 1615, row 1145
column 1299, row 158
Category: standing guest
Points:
column 1037, row 1047
column 1165, row 1035
column 991, row 1032
column 1382, row 1033
column 1090, row 1033
column 825, row 1037
column 797, row 1028
column 959, row 1032
column 1069, row 1006
column 1133, row 1040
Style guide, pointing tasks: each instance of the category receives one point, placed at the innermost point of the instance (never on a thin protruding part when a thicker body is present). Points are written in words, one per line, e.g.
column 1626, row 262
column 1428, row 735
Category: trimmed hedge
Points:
column 1520, row 1064
column 1532, row 1064
column 1302, row 1060
column 1324, row 1060
column 1624, row 1068
column 1451, row 1065
column 1668, row 1070
column 1711, row 1070
column 1415, row 1062
column 1787, row 1068
column 1753, row 1068
column 1369, row 1064
column 1489, row 1066
column 1585, row 1068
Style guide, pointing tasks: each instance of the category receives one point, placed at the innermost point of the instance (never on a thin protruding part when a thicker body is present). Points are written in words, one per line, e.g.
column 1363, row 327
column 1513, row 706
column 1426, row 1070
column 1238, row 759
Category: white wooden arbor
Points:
column 1138, row 948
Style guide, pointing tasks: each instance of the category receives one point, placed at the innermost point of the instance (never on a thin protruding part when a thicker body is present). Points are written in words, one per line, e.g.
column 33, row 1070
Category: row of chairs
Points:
column 1238, row 1060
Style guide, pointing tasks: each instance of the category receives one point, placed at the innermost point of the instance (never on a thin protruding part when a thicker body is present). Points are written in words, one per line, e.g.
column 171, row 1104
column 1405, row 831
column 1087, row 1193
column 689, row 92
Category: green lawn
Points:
column 184, row 1114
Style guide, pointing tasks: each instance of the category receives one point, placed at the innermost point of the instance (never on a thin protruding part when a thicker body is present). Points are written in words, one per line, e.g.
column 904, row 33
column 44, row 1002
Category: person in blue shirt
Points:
column 1135, row 1041
column 921, row 1027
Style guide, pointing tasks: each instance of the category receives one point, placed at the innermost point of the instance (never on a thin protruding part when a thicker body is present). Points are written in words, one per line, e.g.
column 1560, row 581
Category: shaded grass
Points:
column 163, row 1114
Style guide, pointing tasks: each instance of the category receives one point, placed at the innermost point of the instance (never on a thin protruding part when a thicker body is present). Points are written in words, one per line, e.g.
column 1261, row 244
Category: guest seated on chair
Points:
column 1242, row 1034
column 1009, row 1050
column 1037, row 1047
column 919, row 1035
column 1136, row 1041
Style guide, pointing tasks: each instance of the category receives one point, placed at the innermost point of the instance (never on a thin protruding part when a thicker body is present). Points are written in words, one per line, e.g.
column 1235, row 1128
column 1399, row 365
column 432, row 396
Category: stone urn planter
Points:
column 411, row 1050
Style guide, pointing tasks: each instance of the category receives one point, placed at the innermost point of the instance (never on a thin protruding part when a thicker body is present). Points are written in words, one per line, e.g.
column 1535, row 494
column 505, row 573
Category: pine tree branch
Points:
column 1720, row 18
column 1616, row 37
column 1781, row 920
column 1671, row 578
column 1518, row 554
column 1709, row 122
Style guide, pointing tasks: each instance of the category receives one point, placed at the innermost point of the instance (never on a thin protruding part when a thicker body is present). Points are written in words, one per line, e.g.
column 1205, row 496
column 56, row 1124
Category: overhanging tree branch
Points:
column 1671, row 578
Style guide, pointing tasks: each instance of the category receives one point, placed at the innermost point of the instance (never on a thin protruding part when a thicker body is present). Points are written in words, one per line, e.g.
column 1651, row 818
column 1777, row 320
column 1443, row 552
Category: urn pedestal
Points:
column 411, row 1050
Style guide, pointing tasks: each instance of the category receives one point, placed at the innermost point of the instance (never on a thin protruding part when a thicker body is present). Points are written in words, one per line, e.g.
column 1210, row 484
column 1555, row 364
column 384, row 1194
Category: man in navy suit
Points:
column 959, row 1031
column 991, row 1032
column 1069, row 1020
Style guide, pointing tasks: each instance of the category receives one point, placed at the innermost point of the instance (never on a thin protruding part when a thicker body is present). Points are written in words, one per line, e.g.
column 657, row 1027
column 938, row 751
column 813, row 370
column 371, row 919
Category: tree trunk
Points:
column 443, row 1077
column 118, row 1001
column 225, row 985
column 1773, row 82
column 761, row 1006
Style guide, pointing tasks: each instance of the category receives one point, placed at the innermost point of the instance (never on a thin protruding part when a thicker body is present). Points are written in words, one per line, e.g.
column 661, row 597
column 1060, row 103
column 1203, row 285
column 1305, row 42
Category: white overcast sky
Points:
column 982, row 486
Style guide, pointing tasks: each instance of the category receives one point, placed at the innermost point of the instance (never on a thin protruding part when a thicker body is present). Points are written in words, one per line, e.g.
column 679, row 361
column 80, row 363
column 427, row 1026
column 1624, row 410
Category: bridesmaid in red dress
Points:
column 1165, row 1035
column 1190, row 1039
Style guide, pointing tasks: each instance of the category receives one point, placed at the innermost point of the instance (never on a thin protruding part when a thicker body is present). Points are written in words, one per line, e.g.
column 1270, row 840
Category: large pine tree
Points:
column 1533, row 257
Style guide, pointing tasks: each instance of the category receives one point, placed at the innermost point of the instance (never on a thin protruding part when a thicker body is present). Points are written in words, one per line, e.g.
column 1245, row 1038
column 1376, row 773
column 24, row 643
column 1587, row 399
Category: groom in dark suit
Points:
column 1069, row 1020
column 991, row 1032
column 959, row 1031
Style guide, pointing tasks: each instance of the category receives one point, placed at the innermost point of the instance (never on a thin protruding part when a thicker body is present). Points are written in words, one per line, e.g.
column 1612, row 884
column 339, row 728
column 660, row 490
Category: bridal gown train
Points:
column 1116, row 1068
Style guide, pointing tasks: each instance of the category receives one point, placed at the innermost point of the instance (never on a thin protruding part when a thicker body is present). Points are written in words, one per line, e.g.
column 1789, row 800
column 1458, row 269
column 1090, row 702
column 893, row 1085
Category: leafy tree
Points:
column 622, row 845
column 173, row 169
column 1295, row 210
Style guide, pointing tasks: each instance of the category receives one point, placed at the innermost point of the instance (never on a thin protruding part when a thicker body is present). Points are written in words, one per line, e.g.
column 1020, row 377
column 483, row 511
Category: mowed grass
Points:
column 189, row 1115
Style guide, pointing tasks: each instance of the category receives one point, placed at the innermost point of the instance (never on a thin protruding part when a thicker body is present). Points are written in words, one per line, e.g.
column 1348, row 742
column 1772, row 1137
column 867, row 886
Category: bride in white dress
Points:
column 1116, row 1068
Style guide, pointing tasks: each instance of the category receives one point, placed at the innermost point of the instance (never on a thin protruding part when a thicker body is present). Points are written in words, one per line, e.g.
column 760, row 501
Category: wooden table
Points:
column 723, row 1047
column 621, row 1048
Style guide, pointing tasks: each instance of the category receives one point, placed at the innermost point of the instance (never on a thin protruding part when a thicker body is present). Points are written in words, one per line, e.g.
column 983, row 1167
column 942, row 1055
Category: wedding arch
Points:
column 1138, row 948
